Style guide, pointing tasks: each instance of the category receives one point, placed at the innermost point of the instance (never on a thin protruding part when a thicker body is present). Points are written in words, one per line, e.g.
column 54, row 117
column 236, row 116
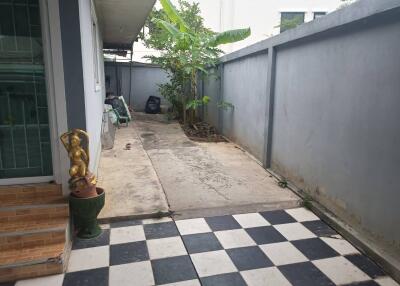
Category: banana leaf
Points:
column 167, row 27
column 229, row 36
column 173, row 15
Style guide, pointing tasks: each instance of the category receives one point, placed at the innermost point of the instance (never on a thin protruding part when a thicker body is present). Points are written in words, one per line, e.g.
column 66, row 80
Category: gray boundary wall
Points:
column 145, row 79
column 320, row 105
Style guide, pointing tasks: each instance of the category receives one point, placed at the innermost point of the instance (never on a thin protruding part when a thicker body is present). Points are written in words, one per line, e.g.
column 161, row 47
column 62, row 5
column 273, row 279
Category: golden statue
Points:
column 82, row 182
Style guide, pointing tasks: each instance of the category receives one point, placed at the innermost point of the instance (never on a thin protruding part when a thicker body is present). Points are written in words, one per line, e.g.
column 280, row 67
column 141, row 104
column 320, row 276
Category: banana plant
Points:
column 192, row 53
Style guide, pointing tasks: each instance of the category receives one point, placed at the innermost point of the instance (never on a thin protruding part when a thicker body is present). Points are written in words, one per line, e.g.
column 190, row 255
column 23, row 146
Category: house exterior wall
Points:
column 331, row 103
column 83, row 93
column 94, row 88
column 72, row 63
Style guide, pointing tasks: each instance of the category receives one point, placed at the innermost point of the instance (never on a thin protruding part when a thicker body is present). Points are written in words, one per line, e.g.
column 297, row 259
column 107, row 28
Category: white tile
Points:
column 156, row 220
column 386, row 281
column 251, row 220
column 234, row 238
column 89, row 258
column 165, row 247
column 265, row 276
column 212, row 263
column 340, row 270
column 184, row 283
column 127, row 234
column 105, row 226
column 294, row 231
column 302, row 214
column 341, row 245
column 283, row 253
column 52, row 280
column 138, row 274
column 192, row 226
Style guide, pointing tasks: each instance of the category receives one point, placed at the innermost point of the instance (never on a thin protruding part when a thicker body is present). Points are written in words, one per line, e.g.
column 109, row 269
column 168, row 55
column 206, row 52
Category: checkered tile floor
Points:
column 287, row 247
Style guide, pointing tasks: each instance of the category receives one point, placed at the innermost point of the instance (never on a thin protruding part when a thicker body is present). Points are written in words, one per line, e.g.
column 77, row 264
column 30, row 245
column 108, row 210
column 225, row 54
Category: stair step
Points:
column 36, row 226
column 32, row 212
column 32, row 238
column 32, row 194
column 37, row 254
column 33, row 261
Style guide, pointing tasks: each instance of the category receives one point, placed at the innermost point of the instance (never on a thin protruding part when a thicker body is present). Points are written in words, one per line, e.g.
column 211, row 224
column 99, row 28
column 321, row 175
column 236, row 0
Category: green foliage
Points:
column 187, row 49
column 225, row 105
column 283, row 183
column 307, row 202
column 287, row 24
column 229, row 37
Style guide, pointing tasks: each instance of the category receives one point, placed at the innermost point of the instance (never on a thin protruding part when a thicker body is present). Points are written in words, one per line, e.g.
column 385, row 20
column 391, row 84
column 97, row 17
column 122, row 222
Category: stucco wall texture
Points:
column 331, row 109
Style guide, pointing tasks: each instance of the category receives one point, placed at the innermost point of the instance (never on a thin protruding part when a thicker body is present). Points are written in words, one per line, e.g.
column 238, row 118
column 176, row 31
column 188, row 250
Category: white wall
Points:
column 94, row 92
column 262, row 16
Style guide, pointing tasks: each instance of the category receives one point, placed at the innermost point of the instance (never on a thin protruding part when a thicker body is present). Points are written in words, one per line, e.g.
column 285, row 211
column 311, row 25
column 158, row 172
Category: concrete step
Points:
column 17, row 195
column 33, row 261
column 16, row 214
column 34, row 237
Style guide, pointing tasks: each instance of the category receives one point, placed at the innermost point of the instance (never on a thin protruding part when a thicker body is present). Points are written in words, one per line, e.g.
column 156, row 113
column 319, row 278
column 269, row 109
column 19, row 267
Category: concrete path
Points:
column 132, row 186
column 203, row 179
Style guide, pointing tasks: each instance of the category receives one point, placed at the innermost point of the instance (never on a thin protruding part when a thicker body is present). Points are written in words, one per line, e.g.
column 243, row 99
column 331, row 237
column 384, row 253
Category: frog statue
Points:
column 82, row 183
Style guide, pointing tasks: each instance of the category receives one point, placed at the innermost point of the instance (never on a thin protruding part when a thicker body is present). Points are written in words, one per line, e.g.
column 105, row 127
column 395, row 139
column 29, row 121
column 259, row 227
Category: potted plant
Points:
column 86, row 199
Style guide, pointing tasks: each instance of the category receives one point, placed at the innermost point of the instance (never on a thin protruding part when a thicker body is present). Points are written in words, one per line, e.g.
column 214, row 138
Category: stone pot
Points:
column 85, row 211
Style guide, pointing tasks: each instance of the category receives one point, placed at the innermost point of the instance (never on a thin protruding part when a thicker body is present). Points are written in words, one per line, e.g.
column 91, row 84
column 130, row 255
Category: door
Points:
column 25, row 147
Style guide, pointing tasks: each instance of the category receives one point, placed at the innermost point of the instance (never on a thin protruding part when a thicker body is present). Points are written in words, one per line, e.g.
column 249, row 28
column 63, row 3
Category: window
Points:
column 96, row 45
column 95, row 54
column 291, row 20
column 319, row 14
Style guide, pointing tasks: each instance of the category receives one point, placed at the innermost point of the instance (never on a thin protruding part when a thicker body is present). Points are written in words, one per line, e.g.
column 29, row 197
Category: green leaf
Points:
column 201, row 69
column 173, row 15
column 229, row 36
column 168, row 27
column 206, row 99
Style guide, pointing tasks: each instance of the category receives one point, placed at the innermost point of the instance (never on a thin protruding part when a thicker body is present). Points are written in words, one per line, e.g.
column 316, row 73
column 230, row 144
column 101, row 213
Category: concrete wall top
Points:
column 355, row 12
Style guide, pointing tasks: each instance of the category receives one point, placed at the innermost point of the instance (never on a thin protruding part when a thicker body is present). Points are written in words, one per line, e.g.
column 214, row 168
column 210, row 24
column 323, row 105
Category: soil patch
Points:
column 202, row 132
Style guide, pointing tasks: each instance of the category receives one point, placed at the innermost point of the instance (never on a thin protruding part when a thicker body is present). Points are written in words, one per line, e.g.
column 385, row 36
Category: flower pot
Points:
column 85, row 212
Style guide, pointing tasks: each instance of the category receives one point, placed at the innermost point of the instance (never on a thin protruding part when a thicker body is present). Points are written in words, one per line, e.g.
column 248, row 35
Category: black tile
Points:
column 173, row 269
column 364, row 283
column 201, row 242
column 229, row 279
column 246, row 258
column 366, row 265
column 304, row 274
column 128, row 252
column 319, row 228
column 94, row 277
column 265, row 234
column 160, row 230
column 277, row 217
column 101, row 240
column 7, row 284
column 125, row 223
column 315, row 248
column 226, row 222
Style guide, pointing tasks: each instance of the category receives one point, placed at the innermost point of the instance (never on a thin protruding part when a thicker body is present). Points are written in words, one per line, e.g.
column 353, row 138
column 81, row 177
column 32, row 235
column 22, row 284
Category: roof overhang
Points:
column 121, row 21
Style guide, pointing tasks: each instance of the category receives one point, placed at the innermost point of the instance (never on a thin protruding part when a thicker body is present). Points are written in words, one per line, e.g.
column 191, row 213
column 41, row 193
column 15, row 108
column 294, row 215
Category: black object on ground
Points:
column 153, row 105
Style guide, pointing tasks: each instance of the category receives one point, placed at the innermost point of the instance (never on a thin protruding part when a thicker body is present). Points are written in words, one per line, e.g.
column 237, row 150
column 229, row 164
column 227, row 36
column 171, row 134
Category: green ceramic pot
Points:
column 85, row 212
